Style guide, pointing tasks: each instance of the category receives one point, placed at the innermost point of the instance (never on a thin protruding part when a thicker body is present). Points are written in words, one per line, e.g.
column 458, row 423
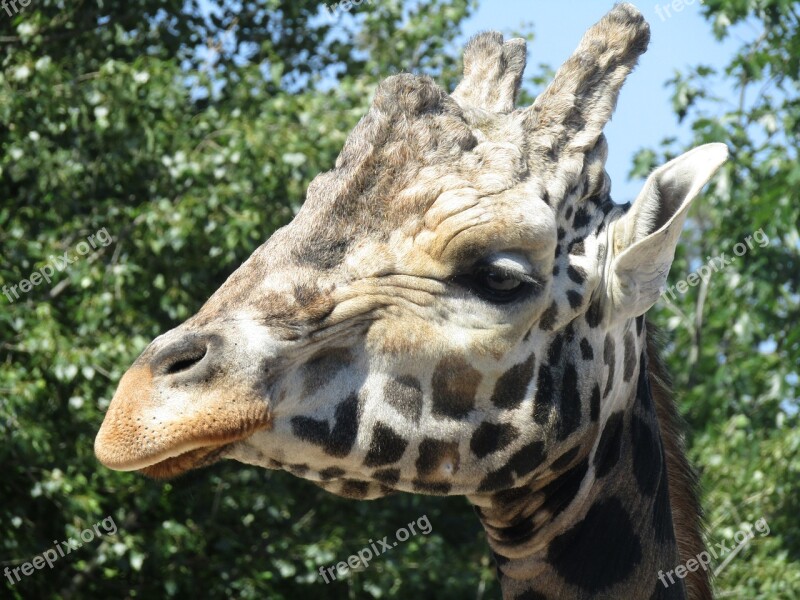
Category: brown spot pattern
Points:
column 454, row 386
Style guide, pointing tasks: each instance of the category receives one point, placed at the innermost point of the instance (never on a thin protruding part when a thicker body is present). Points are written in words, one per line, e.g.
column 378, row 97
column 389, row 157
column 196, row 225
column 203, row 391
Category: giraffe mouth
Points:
column 174, row 459
column 177, row 465
column 201, row 453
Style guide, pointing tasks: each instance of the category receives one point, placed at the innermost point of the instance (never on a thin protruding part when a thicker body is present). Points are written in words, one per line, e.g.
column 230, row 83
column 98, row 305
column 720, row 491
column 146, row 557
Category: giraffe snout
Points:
column 178, row 405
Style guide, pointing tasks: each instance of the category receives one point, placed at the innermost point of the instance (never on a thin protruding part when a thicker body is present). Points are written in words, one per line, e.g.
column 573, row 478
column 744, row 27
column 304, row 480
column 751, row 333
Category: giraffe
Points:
column 458, row 309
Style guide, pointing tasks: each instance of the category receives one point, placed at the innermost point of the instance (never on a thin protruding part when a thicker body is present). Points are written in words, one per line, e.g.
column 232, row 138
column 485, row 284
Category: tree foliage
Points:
column 188, row 131
column 734, row 339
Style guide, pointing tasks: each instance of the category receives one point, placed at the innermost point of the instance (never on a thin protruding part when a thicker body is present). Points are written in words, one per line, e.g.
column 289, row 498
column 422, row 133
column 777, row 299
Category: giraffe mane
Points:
column 684, row 487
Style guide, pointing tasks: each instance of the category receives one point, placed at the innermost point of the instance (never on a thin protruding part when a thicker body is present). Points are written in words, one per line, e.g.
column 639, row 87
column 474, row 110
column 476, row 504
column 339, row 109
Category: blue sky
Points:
column 644, row 116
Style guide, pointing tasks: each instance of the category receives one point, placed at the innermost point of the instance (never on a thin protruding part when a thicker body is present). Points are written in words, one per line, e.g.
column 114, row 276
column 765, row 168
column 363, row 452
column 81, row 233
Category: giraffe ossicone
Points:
column 458, row 309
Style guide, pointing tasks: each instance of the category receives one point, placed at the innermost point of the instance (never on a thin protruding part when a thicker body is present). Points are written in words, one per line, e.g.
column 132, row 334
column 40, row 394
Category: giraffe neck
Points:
column 596, row 523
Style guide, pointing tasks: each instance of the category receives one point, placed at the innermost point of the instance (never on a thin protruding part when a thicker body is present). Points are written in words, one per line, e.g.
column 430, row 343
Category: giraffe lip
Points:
column 196, row 456
column 177, row 458
column 177, row 465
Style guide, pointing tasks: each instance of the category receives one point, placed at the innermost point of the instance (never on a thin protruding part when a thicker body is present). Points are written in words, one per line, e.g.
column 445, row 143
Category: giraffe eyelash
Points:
column 520, row 276
column 477, row 282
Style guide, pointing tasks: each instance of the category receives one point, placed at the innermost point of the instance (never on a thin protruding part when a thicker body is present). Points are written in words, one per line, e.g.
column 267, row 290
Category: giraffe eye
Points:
column 497, row 283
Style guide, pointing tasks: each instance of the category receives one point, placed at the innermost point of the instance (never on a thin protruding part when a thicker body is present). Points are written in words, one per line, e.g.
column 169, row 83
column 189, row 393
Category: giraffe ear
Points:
column 645, row 238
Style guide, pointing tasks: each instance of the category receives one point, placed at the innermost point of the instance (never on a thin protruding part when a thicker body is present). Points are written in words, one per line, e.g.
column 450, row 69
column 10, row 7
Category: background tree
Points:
column 189, row 131
column 734, row 340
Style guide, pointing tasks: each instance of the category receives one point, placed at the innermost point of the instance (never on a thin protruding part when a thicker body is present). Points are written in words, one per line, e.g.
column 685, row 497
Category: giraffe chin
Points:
column 178, row 465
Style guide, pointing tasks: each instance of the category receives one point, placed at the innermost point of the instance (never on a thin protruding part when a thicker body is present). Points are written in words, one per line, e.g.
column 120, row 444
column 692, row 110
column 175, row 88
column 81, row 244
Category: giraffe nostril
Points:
column 184, row 355
column 185, row 363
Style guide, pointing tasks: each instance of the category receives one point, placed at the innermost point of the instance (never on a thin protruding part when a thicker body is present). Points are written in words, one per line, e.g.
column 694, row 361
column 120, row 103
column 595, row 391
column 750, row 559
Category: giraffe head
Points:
column 437, row 316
